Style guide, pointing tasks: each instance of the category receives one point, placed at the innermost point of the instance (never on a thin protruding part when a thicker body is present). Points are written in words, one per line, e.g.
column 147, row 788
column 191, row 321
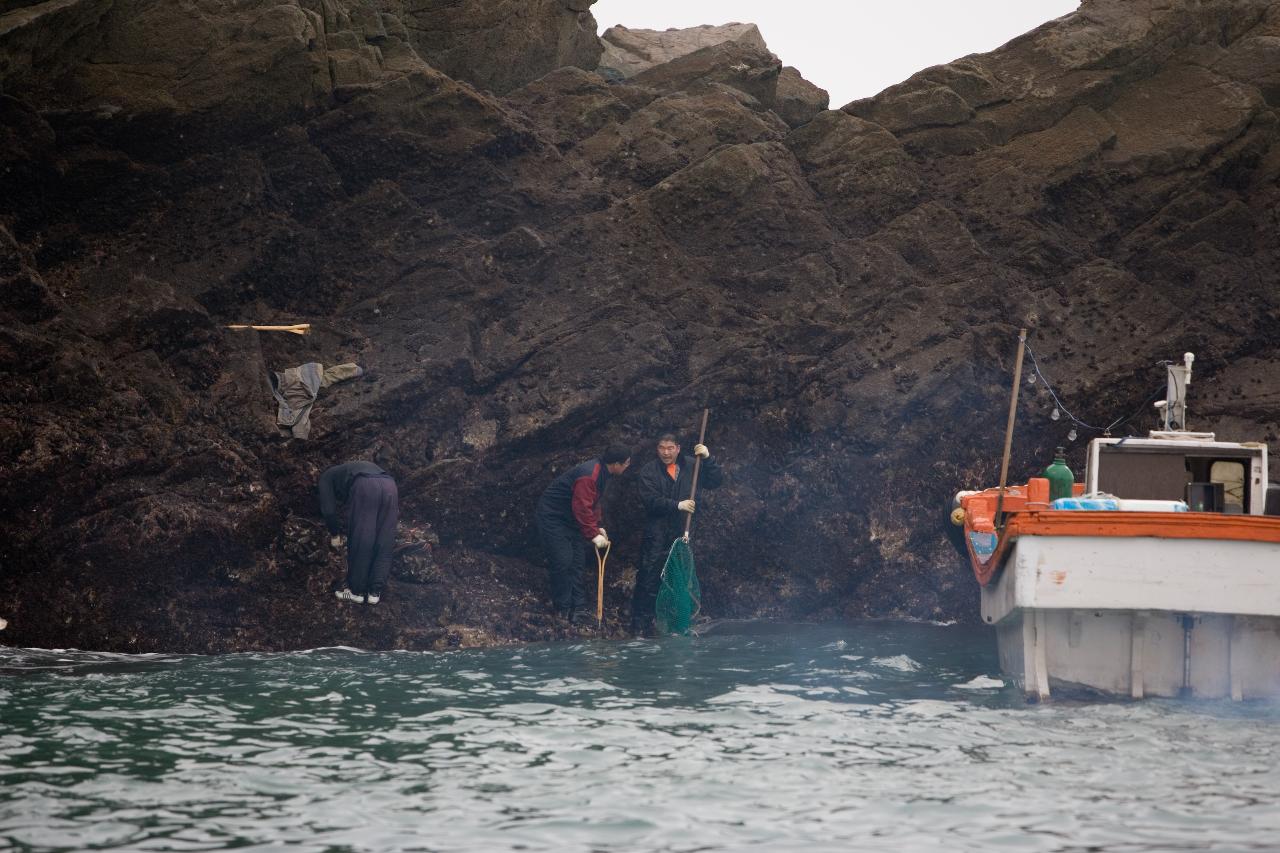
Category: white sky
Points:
column 852, row 48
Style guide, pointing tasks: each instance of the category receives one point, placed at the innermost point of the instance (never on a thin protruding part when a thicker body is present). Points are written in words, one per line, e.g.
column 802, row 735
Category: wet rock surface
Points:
column 530, row 276
column 629, row 51
column 498, row 45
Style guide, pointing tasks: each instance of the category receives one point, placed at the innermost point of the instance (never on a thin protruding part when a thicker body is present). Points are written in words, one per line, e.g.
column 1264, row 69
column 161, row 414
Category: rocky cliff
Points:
column 533, row 261
column 630, row 51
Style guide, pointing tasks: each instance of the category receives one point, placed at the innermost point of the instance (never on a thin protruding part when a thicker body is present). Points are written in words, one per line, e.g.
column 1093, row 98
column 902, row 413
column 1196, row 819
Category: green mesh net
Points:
column 679, row 597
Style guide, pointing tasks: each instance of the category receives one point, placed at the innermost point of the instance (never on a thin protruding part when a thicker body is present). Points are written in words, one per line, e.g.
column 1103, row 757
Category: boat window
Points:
column 1231, row 475
column 1143, row 476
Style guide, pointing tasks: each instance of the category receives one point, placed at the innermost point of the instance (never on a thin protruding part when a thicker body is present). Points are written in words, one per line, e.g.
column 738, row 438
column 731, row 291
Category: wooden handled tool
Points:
column 296, row 328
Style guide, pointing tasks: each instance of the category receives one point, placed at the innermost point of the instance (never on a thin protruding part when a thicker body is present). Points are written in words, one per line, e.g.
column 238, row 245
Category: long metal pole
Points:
column 1008, row 428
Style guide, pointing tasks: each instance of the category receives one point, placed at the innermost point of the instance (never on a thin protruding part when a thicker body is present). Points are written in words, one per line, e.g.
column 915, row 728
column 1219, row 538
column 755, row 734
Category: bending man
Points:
column 373, row 509
column 568, row 518
column 665, row 483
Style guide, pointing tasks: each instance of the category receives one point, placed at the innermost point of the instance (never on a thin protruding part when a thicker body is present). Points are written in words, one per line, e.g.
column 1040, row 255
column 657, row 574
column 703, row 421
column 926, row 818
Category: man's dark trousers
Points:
column 654, row 551
column 566, row 556
column 373, row 511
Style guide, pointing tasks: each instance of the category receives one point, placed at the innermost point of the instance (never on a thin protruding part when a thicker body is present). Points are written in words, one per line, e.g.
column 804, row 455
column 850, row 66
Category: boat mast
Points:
column 1008, row 430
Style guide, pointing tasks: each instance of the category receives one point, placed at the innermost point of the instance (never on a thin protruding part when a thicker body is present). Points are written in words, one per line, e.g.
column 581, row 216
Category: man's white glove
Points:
column 685, row 506
column 600, row 541
column 700, row 450
column 337, row 540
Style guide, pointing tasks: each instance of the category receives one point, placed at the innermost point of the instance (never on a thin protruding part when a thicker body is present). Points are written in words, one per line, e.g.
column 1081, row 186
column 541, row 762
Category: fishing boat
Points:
column 1158, row 575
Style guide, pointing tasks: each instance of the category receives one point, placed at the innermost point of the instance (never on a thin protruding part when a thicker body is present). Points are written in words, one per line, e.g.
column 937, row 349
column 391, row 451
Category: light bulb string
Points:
column 1057, row 401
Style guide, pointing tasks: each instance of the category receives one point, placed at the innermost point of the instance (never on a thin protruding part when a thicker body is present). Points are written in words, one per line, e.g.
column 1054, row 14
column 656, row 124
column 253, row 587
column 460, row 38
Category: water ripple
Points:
column 867, row 736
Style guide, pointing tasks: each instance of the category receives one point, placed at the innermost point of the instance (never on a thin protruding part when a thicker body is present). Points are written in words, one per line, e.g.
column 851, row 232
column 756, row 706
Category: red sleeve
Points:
column 584, row 504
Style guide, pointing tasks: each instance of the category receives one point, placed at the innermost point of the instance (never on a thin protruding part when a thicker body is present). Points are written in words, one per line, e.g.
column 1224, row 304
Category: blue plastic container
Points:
column 1096, row 504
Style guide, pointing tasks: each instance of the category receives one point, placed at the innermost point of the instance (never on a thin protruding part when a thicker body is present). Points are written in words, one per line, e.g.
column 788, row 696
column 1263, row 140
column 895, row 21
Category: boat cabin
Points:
column 1210, row 475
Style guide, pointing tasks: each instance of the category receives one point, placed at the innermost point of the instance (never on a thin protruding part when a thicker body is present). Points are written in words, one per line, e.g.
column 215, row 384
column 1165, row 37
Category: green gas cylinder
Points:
column 1060, row 477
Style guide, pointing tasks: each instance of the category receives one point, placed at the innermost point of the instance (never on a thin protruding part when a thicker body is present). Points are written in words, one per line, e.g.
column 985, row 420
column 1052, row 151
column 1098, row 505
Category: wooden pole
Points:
column 1008, row 429
column 297, row 328
column 601, row 559
column 697, row 466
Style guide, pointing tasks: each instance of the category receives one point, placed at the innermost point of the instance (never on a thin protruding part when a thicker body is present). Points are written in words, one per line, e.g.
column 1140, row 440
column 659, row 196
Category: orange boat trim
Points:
column 1162, row 525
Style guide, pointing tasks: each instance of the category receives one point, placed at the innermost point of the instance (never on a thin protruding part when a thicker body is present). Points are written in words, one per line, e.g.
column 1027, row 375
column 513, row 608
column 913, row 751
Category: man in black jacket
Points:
column 373, row 509
column 665, row 482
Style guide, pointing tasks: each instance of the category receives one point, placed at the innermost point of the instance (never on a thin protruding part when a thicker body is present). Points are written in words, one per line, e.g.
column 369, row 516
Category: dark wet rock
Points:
column 798, row 101
column 673, row 131
column 500, row 45
column 747, row 68
column 747, row 205
column 732, row 58
column 40, row 40
column 858, row 168
column 629, row 51
column 570, row 104
column 212, row 68
column 915, row 106
column 529, row 277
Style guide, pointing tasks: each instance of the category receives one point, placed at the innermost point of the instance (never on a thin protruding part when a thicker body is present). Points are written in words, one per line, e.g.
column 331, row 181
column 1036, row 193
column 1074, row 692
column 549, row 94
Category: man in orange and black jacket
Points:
column 568, row 518
column 665, row 482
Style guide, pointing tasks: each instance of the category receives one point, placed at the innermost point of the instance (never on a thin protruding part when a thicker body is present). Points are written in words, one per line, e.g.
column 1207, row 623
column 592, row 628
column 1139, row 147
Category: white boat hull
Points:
column 1139, row 616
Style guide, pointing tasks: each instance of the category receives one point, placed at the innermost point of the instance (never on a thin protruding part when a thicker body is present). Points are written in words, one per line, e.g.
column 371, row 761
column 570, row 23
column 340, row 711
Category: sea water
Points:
column 860, row 736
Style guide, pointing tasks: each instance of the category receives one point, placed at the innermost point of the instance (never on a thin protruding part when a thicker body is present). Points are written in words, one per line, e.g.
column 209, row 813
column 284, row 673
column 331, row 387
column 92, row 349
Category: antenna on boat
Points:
column 1174, row 405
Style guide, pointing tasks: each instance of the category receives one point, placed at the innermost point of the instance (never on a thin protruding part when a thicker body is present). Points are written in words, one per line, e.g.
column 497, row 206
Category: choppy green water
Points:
column 868, row 736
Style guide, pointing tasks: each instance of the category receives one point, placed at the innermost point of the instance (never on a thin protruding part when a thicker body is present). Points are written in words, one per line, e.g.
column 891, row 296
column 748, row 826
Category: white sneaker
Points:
column 345, row 594
column 372, row 598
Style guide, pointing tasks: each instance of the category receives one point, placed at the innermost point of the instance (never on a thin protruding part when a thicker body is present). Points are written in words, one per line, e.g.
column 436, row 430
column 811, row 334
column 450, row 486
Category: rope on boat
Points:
column 1035, row 366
